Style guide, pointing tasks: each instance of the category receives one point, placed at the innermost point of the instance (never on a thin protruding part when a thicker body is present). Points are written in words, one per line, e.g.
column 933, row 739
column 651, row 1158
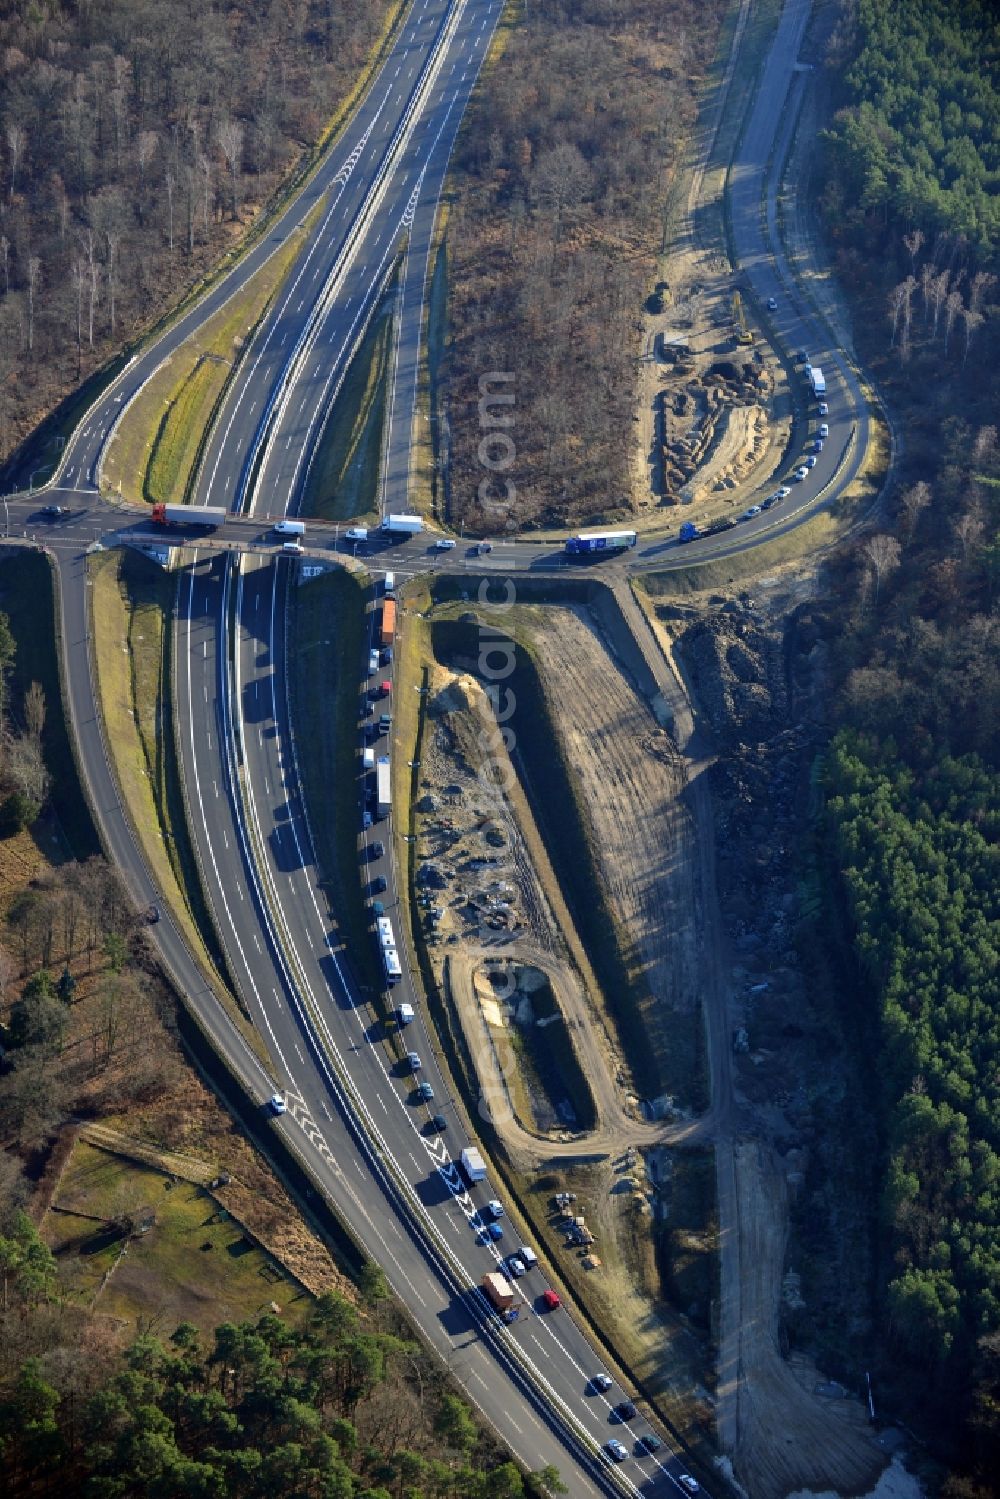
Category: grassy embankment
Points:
column 328, row 635
column 155, row 452
column 196, row 1263
column 131, row 611
column 343, row 477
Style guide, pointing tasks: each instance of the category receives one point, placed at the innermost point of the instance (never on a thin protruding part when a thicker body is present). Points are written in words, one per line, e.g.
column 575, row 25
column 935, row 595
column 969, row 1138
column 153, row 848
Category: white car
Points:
column 801, row 473
column 616, row 1449
column 601, row 1381
column 691, row 1484
column 445, row 543
column 372, row 662
column 783, row 492
column 824, row 429
column 528, row 1255
column 515, row 1267
column 496, row 1208
column 277, row 1104
column 824, row 409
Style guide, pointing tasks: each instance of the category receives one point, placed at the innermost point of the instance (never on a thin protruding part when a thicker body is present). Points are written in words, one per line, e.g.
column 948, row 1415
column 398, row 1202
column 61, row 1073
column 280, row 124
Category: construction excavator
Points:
column 740, row 324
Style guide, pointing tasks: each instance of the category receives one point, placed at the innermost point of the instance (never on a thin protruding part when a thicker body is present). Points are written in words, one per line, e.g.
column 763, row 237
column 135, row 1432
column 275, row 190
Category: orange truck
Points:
column 388, row 621
column 501, row 1294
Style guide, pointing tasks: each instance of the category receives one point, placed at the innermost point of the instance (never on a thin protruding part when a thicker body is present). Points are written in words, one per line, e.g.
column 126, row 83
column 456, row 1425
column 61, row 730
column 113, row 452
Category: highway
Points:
column 352, row 1118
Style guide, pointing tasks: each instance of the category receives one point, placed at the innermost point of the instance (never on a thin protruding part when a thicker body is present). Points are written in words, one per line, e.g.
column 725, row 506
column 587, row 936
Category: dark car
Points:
column 153, row 915
column 437, row 1125
column 377, row 885
column 376, row 850
column 649, row 1443
column 53, row 512
column 625, row 1410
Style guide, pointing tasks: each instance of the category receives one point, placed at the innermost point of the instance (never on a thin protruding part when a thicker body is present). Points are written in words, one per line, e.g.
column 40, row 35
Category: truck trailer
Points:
column 383, row 790
column 388, row 622
column 593, row 543
column 402, row 525
column 208, row 516
column 472, row 1164
column 817, row 381
column 499, row 1290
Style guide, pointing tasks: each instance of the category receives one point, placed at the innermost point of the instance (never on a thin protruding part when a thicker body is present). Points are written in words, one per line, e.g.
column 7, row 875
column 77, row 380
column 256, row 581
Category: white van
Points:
column 368, row 758
column 405, row 1015
column 390, row 585
column 290, row 527
column 292, row 548
column 356, row 533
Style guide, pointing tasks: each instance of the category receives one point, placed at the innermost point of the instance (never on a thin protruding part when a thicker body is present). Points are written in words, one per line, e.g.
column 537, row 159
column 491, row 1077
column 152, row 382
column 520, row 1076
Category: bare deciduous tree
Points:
column 170, row 183
column 913, row 242
column 16, row 140
column 939, row 291
column 145, row 150
column 982, row 282
column 970, row 322
column 912, row 503
column 969, row 530
column 34, row 710
column 953, row 306
column 896, row 299
column 230, row 136
column 5, row 258
column 882, row 553
column 34, row 280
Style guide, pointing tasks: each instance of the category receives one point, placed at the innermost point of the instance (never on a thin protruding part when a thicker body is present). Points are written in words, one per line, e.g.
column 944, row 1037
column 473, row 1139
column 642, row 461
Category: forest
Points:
column 912, row 777
column 138, row 141
column 920, row 139
column 333, row 1408
column 555, row 223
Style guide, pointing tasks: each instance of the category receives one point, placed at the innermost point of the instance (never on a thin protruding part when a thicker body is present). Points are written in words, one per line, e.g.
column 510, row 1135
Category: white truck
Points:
column 402, row 525
column 472, row 1164
column 383, row 927
column 383, row 789
column 816, row 380
column 391, row 965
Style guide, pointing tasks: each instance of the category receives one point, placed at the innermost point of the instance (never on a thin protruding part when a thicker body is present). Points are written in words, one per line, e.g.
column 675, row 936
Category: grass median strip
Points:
column 344, row 474
column 131, row 618
column 326, row 642
column 155, row 451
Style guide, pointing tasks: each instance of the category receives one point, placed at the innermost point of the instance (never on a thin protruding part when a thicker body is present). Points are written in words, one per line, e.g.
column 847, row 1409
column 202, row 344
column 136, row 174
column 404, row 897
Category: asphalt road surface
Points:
column 353, row 1116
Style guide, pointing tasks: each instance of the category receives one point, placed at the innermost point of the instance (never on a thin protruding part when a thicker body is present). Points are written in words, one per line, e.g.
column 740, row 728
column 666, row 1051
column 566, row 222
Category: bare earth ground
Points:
column 783, row 1434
